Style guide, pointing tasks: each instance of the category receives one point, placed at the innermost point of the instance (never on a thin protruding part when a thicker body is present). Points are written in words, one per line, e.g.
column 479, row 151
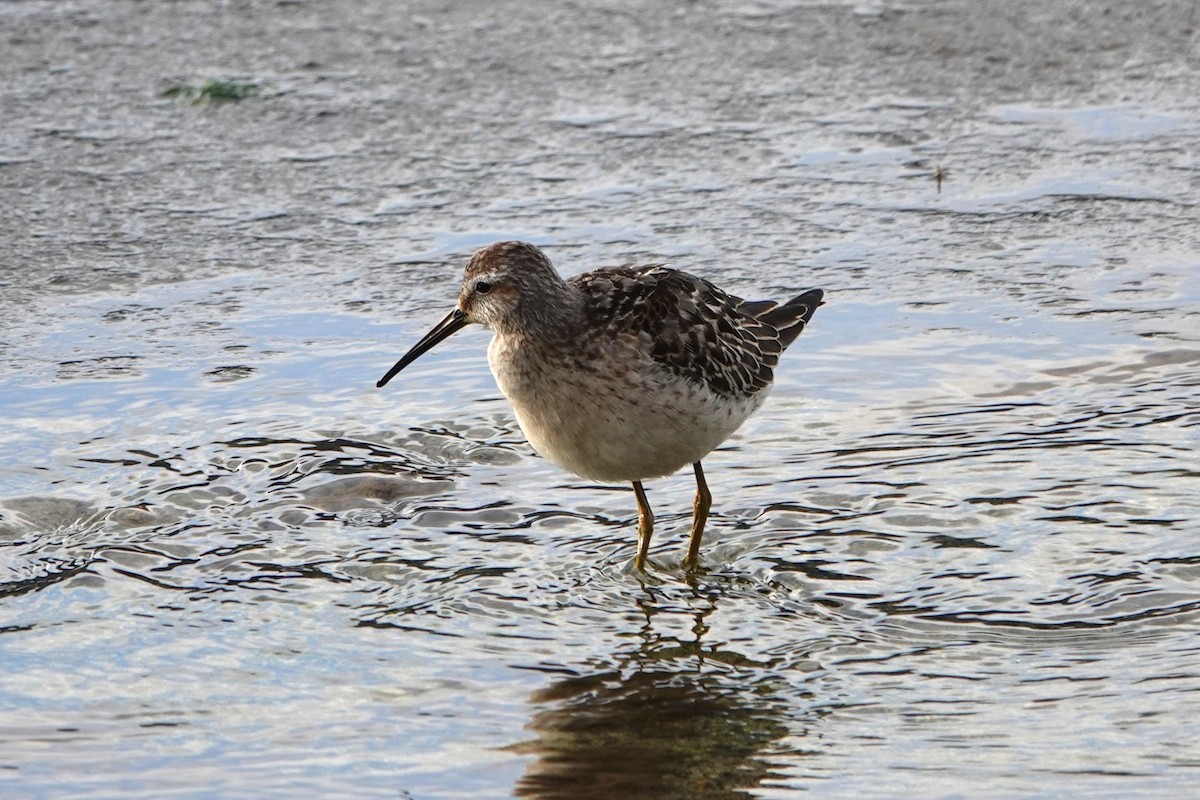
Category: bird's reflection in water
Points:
column 669, row 719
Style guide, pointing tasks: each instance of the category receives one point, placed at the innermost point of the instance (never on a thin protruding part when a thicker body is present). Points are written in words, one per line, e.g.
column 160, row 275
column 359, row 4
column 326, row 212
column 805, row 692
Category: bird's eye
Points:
column 483, row 287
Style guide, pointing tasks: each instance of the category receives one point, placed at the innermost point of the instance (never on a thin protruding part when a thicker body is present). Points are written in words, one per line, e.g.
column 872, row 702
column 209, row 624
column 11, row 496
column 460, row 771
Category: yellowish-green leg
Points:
column 699, row 517
column 645, row 525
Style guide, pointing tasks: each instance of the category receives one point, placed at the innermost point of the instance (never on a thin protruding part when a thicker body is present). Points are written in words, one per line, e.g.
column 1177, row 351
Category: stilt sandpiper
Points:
column 622, row 374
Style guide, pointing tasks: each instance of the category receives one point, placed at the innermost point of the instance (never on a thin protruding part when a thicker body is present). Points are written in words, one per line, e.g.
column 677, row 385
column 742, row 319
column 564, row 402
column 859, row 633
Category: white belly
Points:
column 622, row 420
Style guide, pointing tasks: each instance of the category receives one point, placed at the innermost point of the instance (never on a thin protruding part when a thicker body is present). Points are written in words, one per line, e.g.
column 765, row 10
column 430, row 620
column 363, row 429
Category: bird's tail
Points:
column 788, row 318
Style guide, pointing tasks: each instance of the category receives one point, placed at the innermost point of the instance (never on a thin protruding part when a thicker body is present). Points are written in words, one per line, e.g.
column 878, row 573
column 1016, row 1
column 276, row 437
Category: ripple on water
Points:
column 945, row 558
column 978, row 566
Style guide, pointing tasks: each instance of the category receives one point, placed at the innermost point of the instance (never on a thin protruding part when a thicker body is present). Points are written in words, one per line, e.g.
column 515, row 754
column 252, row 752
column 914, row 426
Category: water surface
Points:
column 955, row 555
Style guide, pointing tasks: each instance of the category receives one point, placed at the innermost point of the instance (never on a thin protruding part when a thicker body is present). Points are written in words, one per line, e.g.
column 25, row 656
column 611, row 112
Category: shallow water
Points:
column 955, row 555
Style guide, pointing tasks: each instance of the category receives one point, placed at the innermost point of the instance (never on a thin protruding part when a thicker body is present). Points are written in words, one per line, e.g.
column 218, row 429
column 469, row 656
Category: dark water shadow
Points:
column 654, row 734
column 665, row 719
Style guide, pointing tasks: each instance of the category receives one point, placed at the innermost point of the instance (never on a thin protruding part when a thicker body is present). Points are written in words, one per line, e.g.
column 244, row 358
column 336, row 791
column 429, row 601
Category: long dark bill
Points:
column 454, row 321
